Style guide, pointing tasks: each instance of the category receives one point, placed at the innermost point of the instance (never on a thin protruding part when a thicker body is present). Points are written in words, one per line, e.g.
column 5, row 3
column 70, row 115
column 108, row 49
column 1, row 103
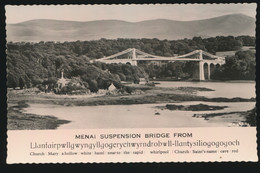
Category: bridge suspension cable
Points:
column 212, row 56
column 149, row 57
column 175, row 57
column 117, row 54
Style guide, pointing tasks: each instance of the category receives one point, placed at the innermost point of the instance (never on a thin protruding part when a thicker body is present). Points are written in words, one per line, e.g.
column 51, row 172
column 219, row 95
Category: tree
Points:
column 122, row 76
column 21, row 83
column 34, row 62
column 104, row 83
column 238, row 67
column 12, row 81
column 93, row 86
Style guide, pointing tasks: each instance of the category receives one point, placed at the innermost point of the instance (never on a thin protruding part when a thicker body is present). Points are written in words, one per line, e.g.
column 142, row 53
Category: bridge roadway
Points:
column 148, row 57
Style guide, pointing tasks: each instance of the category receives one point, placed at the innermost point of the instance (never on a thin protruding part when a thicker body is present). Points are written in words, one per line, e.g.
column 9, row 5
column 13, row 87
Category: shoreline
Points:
column 249, row 117
column 145, row 95
column 220, row 81
column 18, row 120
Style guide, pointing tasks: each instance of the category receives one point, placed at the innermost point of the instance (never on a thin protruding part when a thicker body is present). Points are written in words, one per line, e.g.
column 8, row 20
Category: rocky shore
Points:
column 198, row 107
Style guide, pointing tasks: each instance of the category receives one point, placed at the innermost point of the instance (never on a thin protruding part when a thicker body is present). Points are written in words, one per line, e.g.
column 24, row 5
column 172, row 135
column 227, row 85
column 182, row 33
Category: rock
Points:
column 198, row 107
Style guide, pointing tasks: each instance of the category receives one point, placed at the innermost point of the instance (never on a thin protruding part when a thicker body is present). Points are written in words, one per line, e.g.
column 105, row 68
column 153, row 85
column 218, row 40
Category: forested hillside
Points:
column 238, row 67
column 32, row 64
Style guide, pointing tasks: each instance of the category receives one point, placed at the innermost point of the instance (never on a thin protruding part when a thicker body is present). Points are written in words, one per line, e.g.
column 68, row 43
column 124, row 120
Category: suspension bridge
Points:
column 204, row 60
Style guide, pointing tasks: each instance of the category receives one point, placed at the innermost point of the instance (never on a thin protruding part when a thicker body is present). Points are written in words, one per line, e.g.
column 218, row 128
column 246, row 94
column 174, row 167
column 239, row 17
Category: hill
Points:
column 56, row 30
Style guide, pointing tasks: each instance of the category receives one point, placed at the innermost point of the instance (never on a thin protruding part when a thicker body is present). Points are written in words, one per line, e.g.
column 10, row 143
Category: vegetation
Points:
column 29, row 69
column 240, row 66
column 40, row 64
column 251, row 117
column 72, row 89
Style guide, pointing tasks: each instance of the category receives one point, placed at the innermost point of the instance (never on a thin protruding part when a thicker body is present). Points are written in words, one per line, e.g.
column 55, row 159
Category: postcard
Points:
column 131, row 83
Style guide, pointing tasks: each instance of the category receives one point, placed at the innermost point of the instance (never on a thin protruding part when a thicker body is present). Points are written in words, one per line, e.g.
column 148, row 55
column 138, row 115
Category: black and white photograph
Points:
column 130, row 66
column 130, row 83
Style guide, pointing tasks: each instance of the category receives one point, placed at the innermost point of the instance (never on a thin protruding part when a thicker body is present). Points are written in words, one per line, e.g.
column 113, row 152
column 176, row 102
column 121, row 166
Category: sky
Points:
column 130, row 13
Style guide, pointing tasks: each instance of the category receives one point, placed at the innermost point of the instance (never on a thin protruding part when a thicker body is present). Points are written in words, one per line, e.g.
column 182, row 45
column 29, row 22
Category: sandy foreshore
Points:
column 18, row 99
column 18, row 120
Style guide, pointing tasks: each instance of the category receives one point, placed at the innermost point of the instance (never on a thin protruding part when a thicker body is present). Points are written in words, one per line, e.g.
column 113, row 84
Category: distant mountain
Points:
column 56, row 30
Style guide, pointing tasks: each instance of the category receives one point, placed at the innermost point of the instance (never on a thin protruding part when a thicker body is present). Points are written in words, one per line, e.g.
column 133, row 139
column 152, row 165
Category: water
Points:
column 221, row 89
column 143, row 115
column 133, row 116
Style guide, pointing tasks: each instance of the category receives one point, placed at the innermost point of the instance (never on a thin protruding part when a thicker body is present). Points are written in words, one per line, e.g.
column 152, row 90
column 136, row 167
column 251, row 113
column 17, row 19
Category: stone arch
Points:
column 212, row 68
column 206, row 71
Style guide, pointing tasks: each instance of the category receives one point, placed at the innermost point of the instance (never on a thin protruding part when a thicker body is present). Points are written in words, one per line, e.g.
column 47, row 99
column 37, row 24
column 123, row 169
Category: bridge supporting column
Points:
column 201, row 68
column 208, row 71
column 201, row 71
column 134, row 62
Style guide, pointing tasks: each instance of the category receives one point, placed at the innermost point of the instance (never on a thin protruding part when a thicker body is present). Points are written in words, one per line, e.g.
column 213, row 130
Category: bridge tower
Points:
column 208, row 71
column 134, row 62
column 201, row 67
